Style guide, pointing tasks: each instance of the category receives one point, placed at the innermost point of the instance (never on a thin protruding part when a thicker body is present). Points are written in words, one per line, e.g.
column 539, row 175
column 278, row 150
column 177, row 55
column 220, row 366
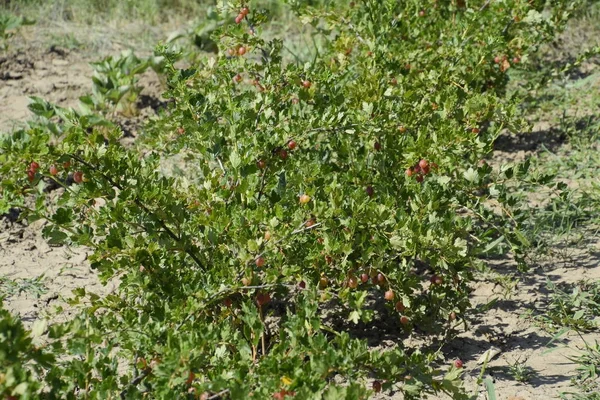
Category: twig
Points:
column 263, row 182
column 143, row 207
column 135, row 381
column 302, row 228
column 352, row 28
column 262, row 336
column 221, row 293
column 326, row 129
column 219, row 394
column 221, row 165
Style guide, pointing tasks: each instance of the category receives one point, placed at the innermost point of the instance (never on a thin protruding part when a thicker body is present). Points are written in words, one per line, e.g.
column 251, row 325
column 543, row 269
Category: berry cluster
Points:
column 243, row 13
column 33, row 167
column 282, row 153
column 420, row 169
column 52, row 170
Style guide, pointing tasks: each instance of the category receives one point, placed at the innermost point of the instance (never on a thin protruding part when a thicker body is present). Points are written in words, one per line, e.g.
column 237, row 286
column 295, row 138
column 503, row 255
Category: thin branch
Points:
column 329, row 129
column 352, row 28
column 262, row 336
column 221, row 165
column 263, row 182
column 134, row 382
column 219, row 394
column 484, row 6
column 143, row 207
column 231, row 290
column 305, row 228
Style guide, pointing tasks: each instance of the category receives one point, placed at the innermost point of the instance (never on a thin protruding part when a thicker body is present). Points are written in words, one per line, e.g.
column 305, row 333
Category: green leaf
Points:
column 354, row 316
column 397, row 242
column 490, row 388
column 234, row 159
column 492, row 245
column 471, row 175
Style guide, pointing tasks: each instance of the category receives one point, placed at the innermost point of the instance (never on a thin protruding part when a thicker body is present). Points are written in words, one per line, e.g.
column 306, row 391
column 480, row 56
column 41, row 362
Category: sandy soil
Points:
column 62, row 75
column 37, row 66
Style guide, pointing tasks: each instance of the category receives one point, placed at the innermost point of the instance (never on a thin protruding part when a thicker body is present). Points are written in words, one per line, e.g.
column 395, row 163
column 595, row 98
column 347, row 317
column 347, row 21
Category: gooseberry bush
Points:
column 282, row 207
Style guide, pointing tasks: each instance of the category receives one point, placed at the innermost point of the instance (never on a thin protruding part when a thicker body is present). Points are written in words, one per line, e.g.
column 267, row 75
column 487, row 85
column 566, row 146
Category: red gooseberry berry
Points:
column 53, row 170
column 78, row 177
column 352, row 282
column 263, row 298
column 376, row 386
column 400, row 306
column 389, row 295
column 304, row 199
column 260, row 262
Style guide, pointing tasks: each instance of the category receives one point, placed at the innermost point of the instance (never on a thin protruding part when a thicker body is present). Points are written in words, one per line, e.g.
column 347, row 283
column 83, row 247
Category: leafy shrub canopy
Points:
column 310, row 197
